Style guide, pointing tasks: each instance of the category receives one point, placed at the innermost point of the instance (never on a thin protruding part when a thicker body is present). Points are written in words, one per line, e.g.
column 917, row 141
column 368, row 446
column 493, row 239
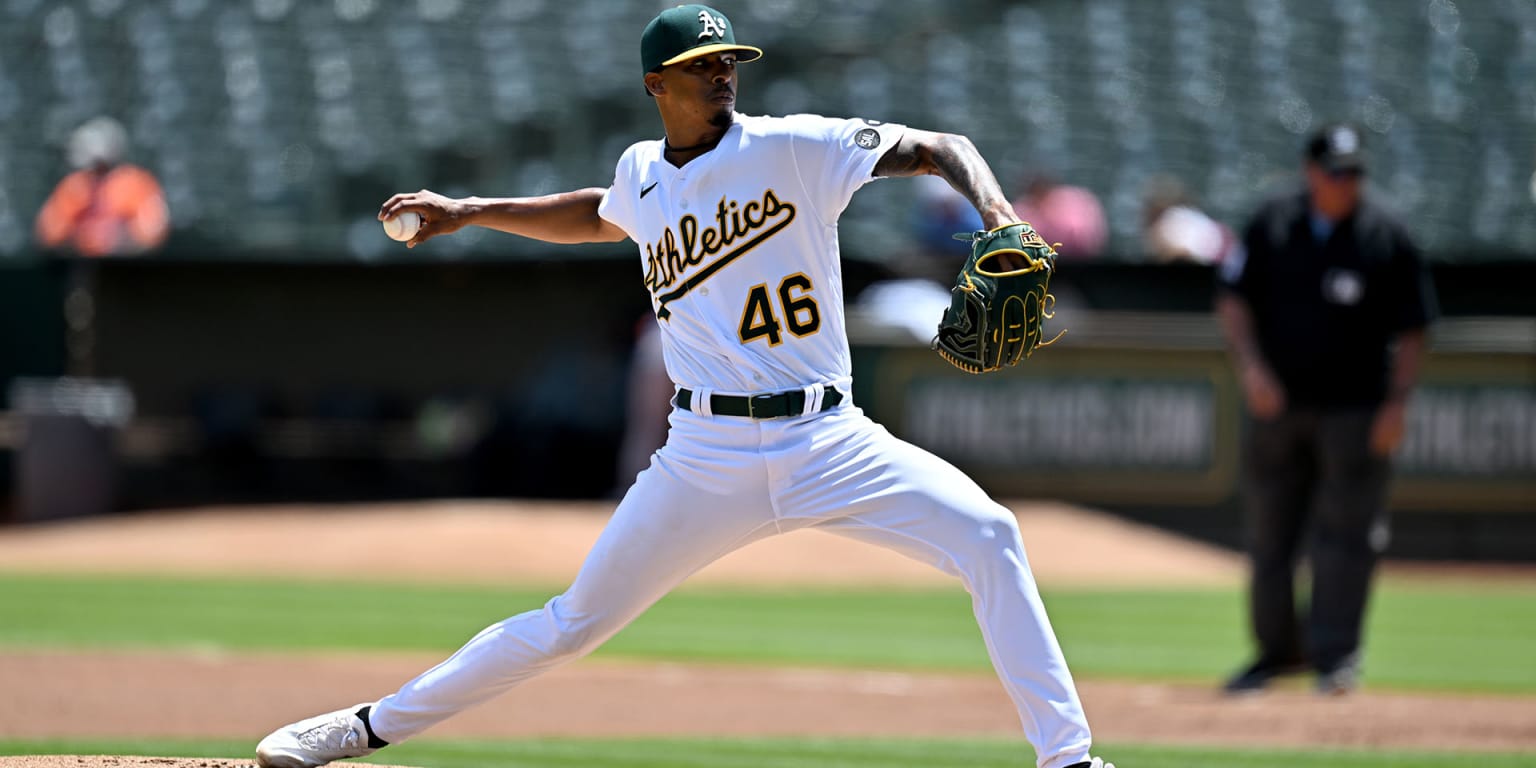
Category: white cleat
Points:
column 1097, row 762
column 318, row 740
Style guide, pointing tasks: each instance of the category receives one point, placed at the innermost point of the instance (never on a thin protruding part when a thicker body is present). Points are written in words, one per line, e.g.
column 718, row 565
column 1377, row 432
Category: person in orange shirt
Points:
column 105, row 207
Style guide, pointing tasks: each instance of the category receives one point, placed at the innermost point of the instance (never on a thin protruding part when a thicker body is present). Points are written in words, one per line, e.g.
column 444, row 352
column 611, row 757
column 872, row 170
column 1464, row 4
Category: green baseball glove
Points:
column 1000, row 304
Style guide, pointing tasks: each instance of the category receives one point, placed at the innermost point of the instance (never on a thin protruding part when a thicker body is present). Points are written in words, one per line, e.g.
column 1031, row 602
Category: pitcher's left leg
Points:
column 875, row 488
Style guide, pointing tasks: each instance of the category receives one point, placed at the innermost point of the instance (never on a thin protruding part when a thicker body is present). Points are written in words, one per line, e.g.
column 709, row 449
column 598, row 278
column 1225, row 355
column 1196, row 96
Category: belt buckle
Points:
column 752, row 408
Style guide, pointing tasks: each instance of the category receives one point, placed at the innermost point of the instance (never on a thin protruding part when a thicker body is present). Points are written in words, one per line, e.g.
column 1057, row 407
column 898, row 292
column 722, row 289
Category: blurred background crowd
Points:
column 259, row 338
column 276, row 126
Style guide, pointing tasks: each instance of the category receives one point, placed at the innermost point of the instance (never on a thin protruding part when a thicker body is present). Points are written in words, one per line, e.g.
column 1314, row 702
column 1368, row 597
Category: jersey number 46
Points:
column 796, row 306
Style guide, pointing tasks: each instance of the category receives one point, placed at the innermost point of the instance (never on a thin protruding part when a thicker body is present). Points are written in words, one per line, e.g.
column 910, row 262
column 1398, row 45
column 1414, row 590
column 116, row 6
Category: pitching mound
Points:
column 122, row 761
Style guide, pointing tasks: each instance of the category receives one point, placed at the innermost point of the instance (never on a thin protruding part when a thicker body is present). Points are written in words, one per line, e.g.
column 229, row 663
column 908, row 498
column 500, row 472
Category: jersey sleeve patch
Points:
column 863, row 143
column 836, row 157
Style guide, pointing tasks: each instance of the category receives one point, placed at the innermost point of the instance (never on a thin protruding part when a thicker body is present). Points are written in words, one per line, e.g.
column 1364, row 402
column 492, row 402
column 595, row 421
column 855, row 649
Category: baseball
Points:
column 402, row 227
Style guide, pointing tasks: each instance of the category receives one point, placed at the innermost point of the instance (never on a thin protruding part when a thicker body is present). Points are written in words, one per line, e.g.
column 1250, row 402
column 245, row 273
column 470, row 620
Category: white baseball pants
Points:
column 723, row 482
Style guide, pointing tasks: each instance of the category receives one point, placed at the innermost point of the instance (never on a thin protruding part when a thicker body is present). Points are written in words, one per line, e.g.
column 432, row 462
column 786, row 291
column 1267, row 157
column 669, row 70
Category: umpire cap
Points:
column 1337, row 147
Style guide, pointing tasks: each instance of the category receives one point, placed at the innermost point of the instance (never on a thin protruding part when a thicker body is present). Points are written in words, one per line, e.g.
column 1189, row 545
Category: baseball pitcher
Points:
column 736, row 219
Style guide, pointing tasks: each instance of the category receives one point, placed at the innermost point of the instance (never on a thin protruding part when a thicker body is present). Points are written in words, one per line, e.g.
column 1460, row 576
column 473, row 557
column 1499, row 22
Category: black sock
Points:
column 374, row 742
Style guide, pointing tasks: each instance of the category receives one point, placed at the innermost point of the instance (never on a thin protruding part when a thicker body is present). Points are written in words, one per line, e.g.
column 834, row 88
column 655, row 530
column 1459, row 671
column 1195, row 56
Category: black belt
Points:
column 771, row 406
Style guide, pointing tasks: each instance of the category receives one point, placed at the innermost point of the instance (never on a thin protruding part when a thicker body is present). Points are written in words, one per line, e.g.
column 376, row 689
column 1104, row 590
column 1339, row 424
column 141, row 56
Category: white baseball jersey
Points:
column 740, row 252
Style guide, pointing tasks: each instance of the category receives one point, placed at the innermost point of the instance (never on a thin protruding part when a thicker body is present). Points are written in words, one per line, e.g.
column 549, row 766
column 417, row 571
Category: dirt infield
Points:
column 103, row 695
column 496, row 542
column 245, row 695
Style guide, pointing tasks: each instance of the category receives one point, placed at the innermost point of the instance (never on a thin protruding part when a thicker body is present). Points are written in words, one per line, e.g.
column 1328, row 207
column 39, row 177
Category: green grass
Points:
column 783, row 753
column 1451, row 637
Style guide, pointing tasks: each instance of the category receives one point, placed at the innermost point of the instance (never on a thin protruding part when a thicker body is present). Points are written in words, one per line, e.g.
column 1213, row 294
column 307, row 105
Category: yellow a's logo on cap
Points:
column 714, row 26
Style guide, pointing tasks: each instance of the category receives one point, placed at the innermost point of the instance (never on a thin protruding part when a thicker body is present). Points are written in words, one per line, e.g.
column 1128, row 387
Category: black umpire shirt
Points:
column 1325, row 309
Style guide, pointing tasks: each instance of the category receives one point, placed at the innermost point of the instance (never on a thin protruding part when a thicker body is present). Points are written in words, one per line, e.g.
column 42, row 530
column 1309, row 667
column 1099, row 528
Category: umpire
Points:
column 1324, row 310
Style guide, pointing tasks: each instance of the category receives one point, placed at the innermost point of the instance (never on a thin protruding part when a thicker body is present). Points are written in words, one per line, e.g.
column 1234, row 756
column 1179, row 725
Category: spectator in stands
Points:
column 1324, row 308
column 916, row 293
column 1533, row 187
column 105, row 206
column 938, row 214
column 941, row 214
column 1065, row 214
column 1176, row 230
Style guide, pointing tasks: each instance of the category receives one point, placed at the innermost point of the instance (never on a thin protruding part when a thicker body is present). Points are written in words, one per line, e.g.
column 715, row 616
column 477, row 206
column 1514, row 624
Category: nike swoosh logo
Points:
column 646, row 190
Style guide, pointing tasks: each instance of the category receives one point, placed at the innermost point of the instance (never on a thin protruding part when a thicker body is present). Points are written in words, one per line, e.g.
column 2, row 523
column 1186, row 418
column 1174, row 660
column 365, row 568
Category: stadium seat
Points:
column 296, row 109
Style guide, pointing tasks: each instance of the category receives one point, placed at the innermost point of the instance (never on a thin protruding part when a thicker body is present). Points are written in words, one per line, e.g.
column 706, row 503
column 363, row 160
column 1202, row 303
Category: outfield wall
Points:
column 328, row 382
column 1140, row 413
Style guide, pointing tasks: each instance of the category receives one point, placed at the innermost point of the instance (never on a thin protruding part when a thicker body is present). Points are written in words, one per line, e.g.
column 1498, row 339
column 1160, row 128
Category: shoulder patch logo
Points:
column 647, row 190
column 867, row 138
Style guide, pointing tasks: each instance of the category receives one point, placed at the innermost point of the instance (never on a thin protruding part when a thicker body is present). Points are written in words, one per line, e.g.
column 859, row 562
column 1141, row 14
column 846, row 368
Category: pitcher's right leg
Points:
column 696, row 503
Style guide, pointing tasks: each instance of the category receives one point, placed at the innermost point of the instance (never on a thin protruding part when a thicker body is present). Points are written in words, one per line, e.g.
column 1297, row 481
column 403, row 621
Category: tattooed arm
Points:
column 955, row 159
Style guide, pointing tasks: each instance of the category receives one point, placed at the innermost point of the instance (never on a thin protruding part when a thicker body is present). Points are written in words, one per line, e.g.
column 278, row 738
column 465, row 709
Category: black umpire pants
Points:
column 1311, row 475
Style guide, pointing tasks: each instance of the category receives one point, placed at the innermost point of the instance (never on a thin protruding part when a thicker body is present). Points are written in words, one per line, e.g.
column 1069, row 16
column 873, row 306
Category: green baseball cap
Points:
column 688, row 31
